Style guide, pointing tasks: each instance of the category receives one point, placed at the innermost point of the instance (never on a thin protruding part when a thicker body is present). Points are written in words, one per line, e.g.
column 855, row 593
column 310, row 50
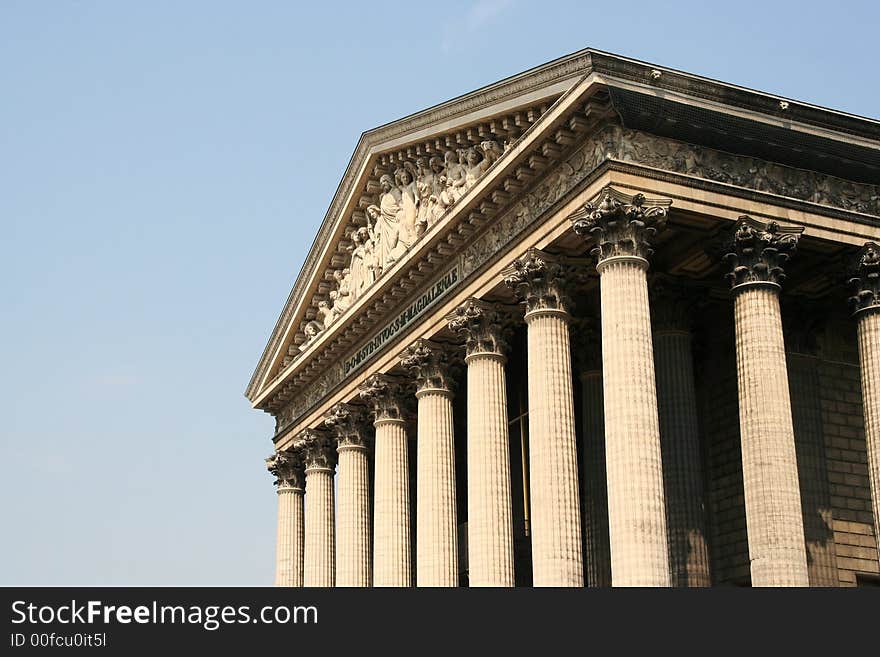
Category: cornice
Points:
column 566, row 68
column 571, row 67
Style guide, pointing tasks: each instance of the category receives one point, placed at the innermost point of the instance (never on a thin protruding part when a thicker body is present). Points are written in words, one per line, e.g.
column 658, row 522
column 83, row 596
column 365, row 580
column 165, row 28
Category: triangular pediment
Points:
column 415, row 190
column 449, row 149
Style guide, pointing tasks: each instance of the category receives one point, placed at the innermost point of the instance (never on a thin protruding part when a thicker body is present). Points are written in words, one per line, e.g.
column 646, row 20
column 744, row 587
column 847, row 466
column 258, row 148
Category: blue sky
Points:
column 164, row 167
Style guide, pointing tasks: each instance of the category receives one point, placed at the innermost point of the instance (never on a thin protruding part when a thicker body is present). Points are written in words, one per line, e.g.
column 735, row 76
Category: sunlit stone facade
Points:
column 599, row 324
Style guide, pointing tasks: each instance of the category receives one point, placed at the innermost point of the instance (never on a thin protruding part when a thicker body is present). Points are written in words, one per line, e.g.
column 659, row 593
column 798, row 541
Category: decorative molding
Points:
column 541, row 281
column 580, row 64
column 419, row 194
column 866, row 280
column 385, row 396
column 317, row 450
column 757, row 252
column 347, row 423
column 749, row 172
column 428, row 362
column 484, row 326
column 609, row 144
column 287, row 468
column 402, row 321
column 613, row 143
column 310, row 395
column 567, row 68
column 620, row 224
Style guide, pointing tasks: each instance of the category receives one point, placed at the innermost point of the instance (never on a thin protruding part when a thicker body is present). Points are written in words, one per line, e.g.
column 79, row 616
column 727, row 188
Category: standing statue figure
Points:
column 358, row 265
column 388, row 222
column 408, row 205
column 436, row 207
column 455, row 178
column 370, row 262
column 388, row 245
column 424, row 189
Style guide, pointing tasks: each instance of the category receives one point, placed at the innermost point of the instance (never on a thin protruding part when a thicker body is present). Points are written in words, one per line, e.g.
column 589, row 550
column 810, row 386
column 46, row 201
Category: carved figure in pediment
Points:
column 387, row 216
column 341, row 296
column 475, row 166
column 436, row 207
column 311, row 330
column 408, row 205
column 455, row 178
column 358, row 267
column 424, row 189
column 326, row 315
column 491, row 151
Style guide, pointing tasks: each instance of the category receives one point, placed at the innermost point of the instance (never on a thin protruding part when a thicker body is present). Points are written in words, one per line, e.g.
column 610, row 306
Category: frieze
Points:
column 616, row 143
column 383, row 337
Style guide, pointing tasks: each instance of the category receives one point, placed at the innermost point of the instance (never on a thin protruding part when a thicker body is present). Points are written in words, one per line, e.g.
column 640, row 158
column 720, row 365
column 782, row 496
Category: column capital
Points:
column 484, row 326
column 385, row 395
column 542, row 281
column 865, row 280
column 317, row 450
column 347, row 424
column 287, row 468
column 672, row 305
column 757, row 251
column 429, row 364
column 621, row 225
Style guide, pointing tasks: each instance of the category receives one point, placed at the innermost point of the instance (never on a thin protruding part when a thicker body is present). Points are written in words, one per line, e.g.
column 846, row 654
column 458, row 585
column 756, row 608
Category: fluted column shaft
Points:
column 682, row 464
column 289, row 545
column 869, row 358
column 490, row 521
column 553, row 485
column 320, row 568
column 391, row 545
column 353, row 558
column 770, row 477
column 597, row 568
column 636, row 502
column 436, row 528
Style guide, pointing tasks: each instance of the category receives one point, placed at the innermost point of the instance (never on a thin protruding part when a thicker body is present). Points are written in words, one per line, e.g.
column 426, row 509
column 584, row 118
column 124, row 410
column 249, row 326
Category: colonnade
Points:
column 647, row 438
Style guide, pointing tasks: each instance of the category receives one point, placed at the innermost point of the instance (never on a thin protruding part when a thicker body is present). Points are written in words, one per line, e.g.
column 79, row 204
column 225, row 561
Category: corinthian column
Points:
column 392, row 558
column 774, row 518
column 679, row 435
column 353, row 559
column 436, row 528
column 539, row 279
column 288, row 471
column 490, row 521
column 866, row 304
column 621, row 226
column 320, row 460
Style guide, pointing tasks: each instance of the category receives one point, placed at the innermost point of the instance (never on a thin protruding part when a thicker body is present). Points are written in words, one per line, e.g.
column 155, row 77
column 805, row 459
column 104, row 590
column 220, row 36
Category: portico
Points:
column 460, row 399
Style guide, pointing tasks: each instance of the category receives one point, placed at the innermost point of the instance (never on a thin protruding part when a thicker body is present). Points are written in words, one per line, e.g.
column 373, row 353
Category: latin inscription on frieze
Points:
column 413, row 311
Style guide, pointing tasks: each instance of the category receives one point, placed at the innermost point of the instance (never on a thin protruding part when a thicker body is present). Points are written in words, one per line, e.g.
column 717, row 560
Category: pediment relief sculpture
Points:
column 416, row 192
column 411, row 201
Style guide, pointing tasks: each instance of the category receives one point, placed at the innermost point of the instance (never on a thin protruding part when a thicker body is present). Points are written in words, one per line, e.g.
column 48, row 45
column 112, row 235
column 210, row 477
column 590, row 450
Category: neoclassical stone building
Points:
column 601, row 323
